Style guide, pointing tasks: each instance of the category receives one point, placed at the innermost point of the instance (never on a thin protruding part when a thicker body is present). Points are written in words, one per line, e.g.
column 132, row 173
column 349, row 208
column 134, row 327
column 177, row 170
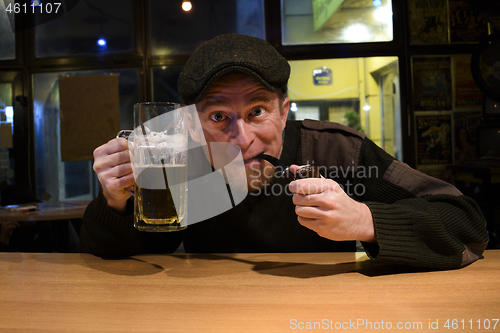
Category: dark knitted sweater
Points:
column 418, row 220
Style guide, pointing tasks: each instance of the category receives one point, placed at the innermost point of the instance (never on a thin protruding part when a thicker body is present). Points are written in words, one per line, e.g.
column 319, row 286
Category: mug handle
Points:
column 125, row 134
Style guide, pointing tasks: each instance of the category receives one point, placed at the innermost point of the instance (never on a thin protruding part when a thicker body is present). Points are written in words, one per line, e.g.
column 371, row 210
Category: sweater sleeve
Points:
column 108, row 234
column 419, row 220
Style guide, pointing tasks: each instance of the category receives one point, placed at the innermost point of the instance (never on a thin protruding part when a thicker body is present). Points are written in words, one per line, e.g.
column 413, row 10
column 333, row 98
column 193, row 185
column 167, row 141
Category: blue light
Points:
column 377, row 3
column 101, row 42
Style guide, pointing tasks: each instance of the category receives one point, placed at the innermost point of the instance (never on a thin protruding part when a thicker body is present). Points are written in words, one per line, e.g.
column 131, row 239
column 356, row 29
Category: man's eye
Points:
column 218, row 117
column 257, row 112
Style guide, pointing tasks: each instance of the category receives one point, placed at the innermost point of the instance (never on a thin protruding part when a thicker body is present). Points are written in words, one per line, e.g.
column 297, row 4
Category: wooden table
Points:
column 57, row 292
column 50, row 210
column 58, row 214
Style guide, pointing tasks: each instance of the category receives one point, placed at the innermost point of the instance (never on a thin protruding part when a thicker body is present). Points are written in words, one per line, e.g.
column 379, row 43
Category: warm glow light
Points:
column 356, row 32
column 293, row 108
column 383, row 14
column 186, row 6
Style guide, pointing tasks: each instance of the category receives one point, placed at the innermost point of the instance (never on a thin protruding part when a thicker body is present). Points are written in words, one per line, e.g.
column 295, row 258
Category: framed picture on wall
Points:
column 466, row 24
column 434, row 137
column 466, row 94
column 428, row 22
column 432, row 87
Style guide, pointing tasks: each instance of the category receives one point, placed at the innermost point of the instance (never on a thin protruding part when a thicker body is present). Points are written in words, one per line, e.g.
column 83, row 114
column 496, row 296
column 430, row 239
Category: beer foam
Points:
column 164, row 148
column 163, row 140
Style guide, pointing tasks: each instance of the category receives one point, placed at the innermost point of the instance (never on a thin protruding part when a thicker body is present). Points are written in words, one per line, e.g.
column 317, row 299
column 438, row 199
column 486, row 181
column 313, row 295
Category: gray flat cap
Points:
column 228, row 54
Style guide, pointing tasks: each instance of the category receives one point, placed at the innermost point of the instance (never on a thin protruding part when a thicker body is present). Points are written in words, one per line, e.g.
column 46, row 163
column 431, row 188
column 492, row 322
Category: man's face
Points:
column 240, row 110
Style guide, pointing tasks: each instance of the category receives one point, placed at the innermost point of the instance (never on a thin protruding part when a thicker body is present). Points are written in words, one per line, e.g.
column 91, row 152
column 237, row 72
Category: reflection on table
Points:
column 57, row 292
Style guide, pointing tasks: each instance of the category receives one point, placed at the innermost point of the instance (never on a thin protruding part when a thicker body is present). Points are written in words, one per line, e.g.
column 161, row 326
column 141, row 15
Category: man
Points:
column 238, row 85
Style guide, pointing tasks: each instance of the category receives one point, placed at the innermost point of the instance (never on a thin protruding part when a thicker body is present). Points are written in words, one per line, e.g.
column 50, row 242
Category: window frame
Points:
column 26, row 63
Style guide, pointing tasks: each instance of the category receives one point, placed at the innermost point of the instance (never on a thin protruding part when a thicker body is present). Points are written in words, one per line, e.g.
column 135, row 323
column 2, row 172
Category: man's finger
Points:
column 307, row 222
column 310, row 185
column 307, row 212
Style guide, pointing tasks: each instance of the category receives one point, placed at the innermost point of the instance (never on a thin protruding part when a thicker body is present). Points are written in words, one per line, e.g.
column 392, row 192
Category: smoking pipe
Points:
column 306, row 171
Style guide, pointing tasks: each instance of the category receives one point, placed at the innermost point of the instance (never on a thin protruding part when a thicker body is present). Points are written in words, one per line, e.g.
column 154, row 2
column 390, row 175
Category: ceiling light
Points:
column 186, row 6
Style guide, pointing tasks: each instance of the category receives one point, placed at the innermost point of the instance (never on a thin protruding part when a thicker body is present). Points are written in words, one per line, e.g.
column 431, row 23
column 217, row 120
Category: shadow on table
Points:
column 120, row 266
column 307, row 270
column 301, row 270
column 298, row 270
column 125, row 266
column 195, row 266
column 373, row 269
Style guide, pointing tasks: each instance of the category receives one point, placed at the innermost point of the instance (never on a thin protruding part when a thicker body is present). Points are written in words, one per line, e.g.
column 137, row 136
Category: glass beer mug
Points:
column 158, row 153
